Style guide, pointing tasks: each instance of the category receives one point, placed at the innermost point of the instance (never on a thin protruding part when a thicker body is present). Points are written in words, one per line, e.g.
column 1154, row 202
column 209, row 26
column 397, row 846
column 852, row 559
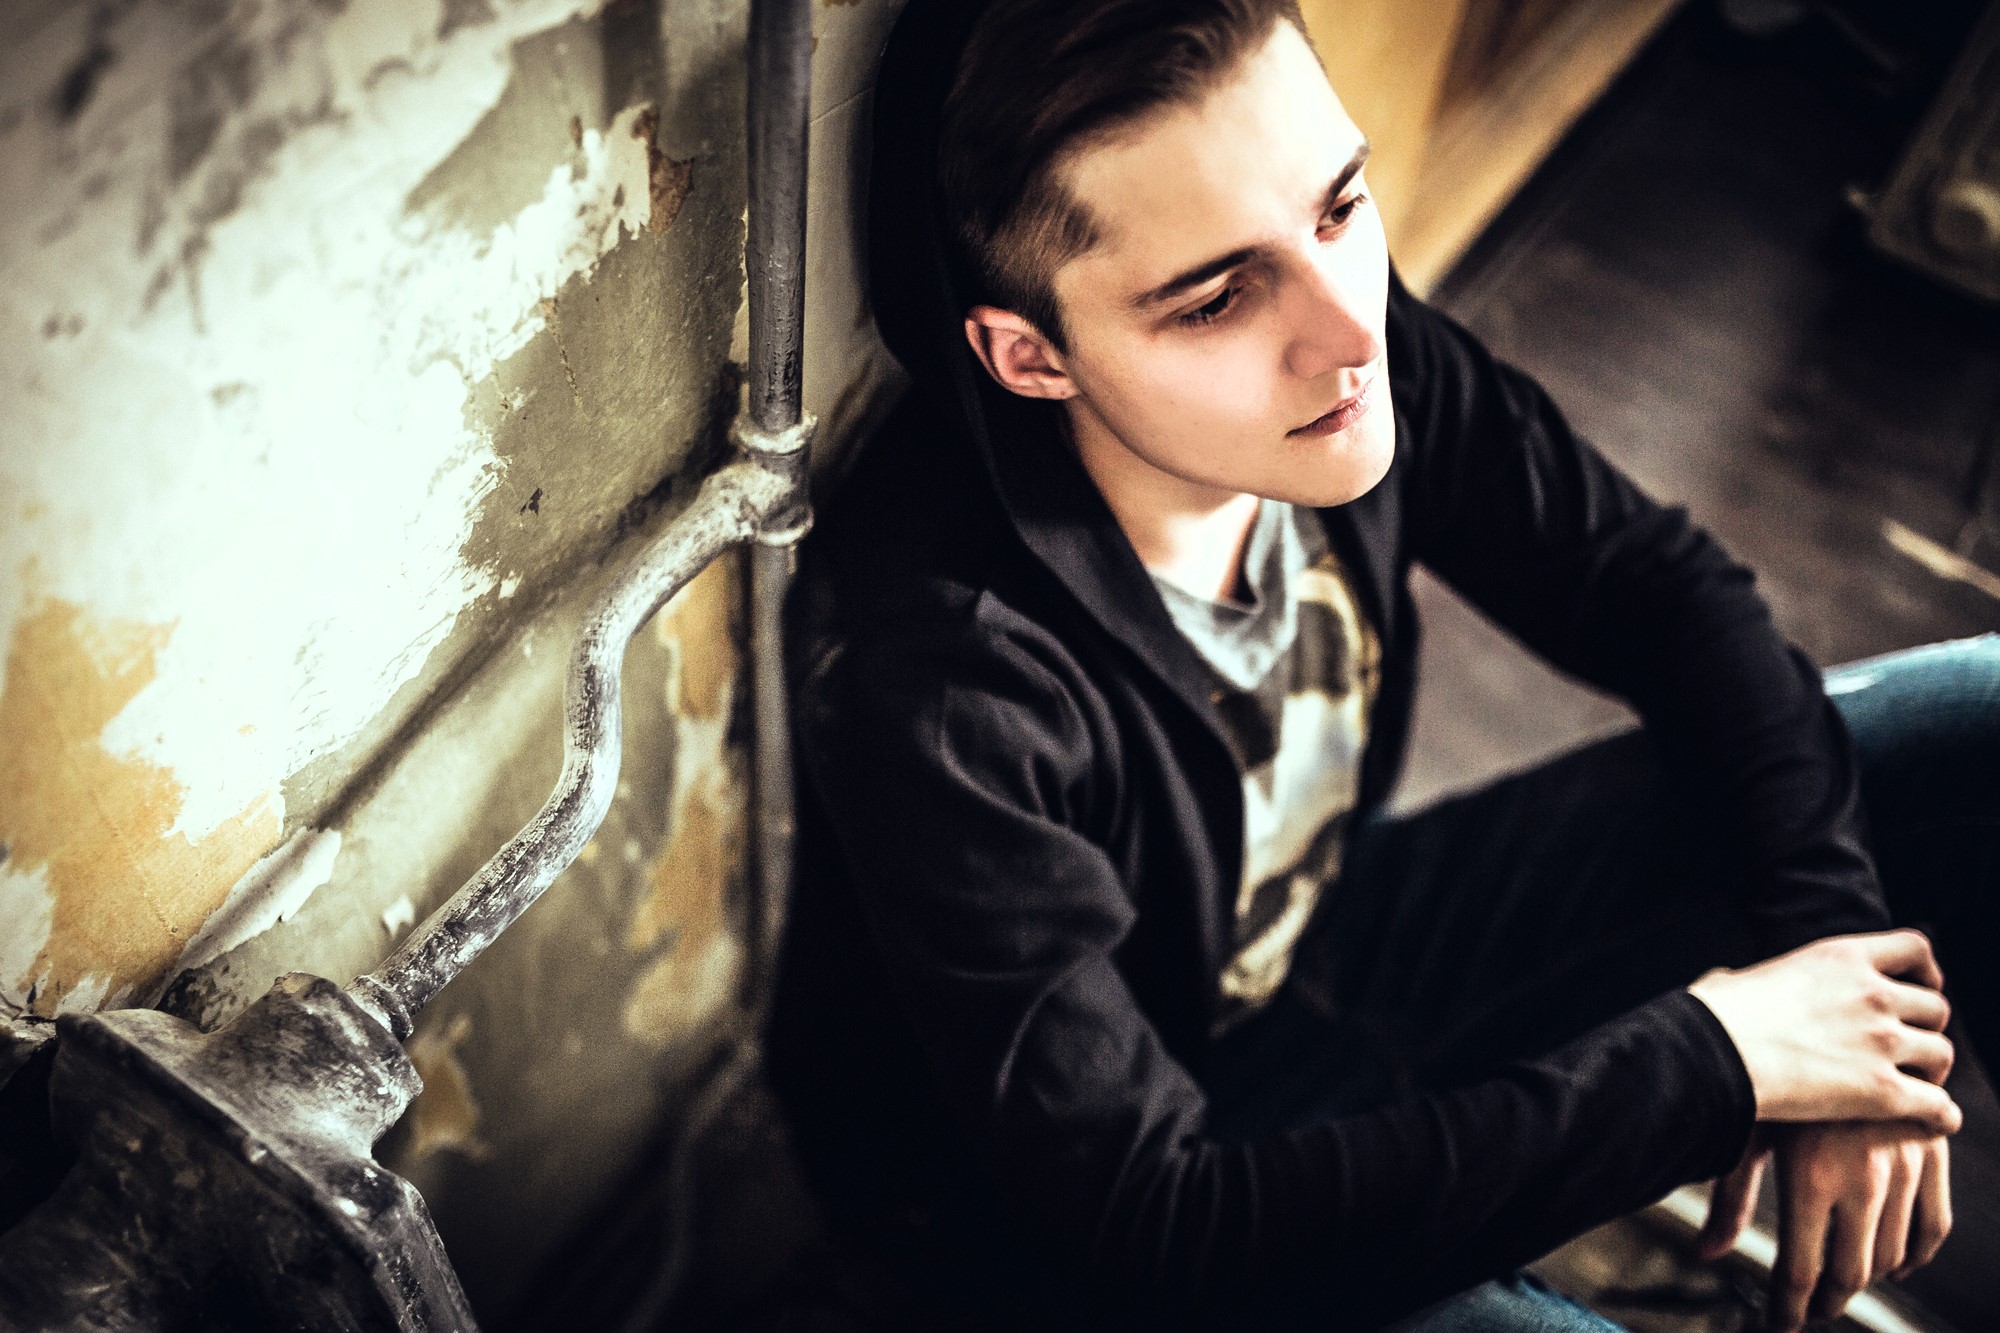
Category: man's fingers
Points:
column 1907, row 1098
column 1906, row 954
column 1892, row 1233
column 1927, row 1053
column 1919, row 1006
column 1850, row 1249
column 1731, row 1206
column 1802, row 1227
column 1930, row 1216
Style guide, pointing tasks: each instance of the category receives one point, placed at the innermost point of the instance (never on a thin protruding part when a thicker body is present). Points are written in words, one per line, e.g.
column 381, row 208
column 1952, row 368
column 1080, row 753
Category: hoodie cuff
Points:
column 1718, row 1069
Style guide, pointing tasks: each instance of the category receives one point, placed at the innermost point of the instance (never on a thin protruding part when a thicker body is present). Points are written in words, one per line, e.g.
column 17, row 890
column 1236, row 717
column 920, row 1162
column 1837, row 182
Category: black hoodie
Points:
column 1021, row 836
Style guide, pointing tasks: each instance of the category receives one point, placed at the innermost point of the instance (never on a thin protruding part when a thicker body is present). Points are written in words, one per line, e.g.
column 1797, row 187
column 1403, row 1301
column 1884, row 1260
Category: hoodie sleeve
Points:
column 1510, row 507
column 960, row 777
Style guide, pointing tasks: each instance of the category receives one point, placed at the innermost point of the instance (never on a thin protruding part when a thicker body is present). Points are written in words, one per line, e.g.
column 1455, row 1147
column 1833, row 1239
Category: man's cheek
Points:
column 1229, row 387
column 1181, row 390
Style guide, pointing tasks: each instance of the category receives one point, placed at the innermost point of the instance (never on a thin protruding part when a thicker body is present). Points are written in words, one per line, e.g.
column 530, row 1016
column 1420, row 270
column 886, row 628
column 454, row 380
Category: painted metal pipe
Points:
column 774, row 829
column 779, row 112
column 775, row 253
column 287, row 1101
column 731, row 507
column 773, row 426
column 760, row 498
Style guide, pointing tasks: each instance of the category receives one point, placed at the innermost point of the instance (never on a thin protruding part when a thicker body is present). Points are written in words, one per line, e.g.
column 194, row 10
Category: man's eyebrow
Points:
column 1345, row 176
column 1208, row 268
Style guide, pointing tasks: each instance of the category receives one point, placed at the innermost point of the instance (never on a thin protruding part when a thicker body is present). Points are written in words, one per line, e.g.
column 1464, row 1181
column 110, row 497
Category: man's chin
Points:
column 1349, row 466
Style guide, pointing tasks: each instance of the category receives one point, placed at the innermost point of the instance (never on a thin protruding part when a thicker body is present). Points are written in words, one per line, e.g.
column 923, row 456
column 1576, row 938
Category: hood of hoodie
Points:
column 919, row 293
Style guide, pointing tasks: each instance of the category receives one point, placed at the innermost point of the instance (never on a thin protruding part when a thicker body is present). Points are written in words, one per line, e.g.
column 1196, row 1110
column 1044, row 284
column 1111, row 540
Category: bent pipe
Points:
column 761, row 497
column 733, row 506
column 238, row 1165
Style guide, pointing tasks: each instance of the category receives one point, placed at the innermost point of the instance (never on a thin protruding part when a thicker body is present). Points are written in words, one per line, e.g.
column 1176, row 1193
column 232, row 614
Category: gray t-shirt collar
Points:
column 1241, row 641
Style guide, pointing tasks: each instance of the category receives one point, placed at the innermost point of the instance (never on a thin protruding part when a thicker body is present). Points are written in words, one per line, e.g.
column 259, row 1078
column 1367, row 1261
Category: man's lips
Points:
column 1343, row 414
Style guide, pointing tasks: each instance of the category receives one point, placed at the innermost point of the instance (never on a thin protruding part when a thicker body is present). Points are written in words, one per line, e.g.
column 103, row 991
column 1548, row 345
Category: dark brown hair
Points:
column 1040, row 79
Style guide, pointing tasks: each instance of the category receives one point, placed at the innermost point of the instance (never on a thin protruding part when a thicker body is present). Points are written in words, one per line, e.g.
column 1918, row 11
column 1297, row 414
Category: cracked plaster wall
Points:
column 350, row 346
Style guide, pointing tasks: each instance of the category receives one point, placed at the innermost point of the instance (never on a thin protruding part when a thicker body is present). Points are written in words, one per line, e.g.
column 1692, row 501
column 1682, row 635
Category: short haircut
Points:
column 1039, row 81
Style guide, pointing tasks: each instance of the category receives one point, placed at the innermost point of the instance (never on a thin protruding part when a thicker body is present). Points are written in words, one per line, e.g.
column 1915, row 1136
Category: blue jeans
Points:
column 1503, row 922
column 1522, row 1303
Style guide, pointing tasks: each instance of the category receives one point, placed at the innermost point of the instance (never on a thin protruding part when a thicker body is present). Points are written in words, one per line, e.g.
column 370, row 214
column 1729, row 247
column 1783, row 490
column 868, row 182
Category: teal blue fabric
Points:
column 1522, row 1303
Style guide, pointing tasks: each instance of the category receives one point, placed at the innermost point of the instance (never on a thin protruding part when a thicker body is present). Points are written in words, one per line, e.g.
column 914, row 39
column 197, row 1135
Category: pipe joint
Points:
column 786, row 528
column 384, row 1005
column 783, row 452
column 787, row 443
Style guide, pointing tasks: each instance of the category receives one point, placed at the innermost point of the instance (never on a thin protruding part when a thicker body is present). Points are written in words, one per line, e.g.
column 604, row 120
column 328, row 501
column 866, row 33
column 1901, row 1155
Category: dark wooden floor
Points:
column 1688, row 279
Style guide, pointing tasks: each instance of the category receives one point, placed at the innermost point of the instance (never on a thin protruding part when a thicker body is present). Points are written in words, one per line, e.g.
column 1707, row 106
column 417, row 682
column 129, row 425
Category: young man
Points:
column 1110, row 997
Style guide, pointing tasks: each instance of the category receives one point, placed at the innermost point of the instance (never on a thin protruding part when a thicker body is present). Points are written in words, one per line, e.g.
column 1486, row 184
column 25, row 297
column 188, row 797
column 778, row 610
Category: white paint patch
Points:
column 253, row 427
column 269, row 892
column 28, row 910
column 399, row 916
column 90, row 994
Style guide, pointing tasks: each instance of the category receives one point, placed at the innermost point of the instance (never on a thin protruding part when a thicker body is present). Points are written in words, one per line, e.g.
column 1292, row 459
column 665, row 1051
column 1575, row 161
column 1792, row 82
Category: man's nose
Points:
column 1326, row 322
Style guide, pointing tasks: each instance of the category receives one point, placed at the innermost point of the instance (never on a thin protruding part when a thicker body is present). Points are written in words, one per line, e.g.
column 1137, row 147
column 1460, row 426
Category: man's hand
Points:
column 1857, row 1201
column 1829, row 1032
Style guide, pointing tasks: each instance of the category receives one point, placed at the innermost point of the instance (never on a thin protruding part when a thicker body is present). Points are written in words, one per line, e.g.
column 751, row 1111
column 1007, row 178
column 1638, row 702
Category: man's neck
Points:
column 1188, row 533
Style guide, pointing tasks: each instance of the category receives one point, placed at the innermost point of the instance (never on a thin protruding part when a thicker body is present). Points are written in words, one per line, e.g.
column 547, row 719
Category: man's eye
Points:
column 1213, row 309
column 1344, row 210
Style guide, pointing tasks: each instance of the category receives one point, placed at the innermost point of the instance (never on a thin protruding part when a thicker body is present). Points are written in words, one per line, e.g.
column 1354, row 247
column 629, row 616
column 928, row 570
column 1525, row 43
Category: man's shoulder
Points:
column 909, row 509
column 913, row 543
column 921, row 632
column 940, row 668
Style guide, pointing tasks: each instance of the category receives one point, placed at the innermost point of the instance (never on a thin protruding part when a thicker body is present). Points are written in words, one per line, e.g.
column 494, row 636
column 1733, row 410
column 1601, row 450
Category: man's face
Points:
column 1227, row 329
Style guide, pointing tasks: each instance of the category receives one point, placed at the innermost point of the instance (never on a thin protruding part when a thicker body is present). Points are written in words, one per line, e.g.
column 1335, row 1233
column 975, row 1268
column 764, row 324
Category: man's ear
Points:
column 1016, row 354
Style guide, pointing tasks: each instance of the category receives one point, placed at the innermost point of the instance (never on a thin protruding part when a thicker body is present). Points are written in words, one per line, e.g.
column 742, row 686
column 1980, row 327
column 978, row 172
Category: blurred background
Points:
column 350, row 346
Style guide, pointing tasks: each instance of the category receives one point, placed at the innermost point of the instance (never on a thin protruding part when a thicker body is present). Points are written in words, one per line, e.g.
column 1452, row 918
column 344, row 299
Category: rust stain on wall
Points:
column 127, row 892
column 444, row 1114
column 683, row 990
column 703, row 628
column 703, row 856
column 686, row 882
column 668, row 178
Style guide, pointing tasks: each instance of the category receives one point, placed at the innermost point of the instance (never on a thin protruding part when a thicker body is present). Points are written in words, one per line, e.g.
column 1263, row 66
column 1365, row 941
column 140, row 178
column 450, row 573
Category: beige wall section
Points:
column 1388, row 60
column 1463, row 100
column 848, row 372
column 1522, row 76
column 350, row 347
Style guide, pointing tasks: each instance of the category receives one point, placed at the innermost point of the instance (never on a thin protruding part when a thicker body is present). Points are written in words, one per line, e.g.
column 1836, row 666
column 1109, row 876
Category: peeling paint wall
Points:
column 350, row 347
